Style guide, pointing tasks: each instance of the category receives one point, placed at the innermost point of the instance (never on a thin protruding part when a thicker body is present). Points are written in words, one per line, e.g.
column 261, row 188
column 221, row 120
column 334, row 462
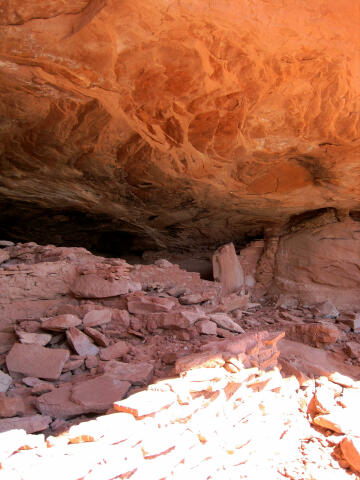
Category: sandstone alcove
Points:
column 179, row 239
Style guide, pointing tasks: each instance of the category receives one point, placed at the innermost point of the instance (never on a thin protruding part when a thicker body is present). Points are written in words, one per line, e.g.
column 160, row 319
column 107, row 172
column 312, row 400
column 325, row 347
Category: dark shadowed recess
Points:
column 101, row 234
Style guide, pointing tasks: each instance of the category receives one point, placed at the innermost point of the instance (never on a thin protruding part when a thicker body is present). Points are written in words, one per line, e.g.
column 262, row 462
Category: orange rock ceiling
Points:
column 183, row 122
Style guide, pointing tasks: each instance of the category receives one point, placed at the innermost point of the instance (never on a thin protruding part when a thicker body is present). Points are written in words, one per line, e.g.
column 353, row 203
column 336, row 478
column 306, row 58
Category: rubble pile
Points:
column 114, row 370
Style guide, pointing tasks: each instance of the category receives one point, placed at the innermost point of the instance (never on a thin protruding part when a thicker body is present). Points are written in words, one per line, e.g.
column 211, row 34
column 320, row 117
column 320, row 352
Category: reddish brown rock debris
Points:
column 179, row 398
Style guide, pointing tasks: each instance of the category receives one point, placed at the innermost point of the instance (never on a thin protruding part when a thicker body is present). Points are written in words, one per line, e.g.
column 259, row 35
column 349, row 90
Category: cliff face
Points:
column 177, row 122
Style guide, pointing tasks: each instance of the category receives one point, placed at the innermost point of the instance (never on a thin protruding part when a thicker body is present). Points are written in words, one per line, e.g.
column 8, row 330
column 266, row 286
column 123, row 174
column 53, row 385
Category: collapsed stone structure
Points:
column 192, row 379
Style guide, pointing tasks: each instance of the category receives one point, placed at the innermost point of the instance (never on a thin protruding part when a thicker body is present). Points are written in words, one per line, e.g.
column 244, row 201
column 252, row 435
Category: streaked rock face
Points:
column 178, row 122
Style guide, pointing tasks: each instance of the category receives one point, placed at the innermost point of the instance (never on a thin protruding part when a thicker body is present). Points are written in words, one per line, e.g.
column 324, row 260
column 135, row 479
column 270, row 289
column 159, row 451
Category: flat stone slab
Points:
column 37, row 361
column 95, row 318
column 98, row 394
column 80, row 342
column 32, row 424
column 61, row 322
column 136, row 373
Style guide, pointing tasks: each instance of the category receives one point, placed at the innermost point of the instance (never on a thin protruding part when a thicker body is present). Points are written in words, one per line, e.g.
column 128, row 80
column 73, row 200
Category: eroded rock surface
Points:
column 175, row 122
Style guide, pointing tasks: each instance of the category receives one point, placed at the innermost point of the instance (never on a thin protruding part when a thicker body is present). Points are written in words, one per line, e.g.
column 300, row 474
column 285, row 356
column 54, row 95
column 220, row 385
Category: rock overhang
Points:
column 180, row 124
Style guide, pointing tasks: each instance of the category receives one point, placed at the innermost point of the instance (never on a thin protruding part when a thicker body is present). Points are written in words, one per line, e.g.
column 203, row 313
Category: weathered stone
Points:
column 315, row 334
column 72, row 365
column 353, row 349
column 350, row 448
column 141, row 304
column 99, row 394
column 58, row 403
column 224, row 321
column 182, row 319
column 136, row 373
column 120, row 318
column 145, row 403
column 326, row 310
column 199, row 360
column 98, row 337
column 32, row 424
column 97, row 317
column 5, row 381
column 95, row 285
column 37, row 361
column 340, row 420
column 116, row 350
column 80, row 342
column 33, row 338
column 227, row 269
column 206, row 327
column 11, row 406
column 340, row 379
column 61, row 322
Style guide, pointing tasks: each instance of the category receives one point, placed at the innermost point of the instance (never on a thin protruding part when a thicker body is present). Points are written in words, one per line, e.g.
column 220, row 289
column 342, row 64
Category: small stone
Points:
column 33, row 338
column 37, row 361
column 72, row 365
column 145, row 403
column 350, row 448
column 11, row 406
column 97, row 317
column 353, row 349
column 32, row 424
column 120, row 318
column 80, row 342
column 114, row 351
column 206, row 327
column 91, row 361
column 5, row 381
column 223, row 320
column 136, row 373
column 325, row 310
column 61, row 322
column 351, row 319
column 98, row 337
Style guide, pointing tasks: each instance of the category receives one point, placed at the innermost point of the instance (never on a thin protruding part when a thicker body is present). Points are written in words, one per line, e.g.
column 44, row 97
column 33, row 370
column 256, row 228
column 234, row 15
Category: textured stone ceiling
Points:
column 181, row 122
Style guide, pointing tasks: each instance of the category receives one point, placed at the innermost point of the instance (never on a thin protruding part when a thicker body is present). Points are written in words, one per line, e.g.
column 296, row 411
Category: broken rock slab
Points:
column 224, row 321
column 177, row 319
column 32, row 424
column 61, row 322
column 37, row 361
column 116, row 350
column 33, row 338
column 80, row 342
column 136, row 373
column 98, row 394
column 227, row 269
column 144, row 304
column 350, row 448
column 5, row 381
column 11, row 406
column 95, row 318
column 97, row 285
